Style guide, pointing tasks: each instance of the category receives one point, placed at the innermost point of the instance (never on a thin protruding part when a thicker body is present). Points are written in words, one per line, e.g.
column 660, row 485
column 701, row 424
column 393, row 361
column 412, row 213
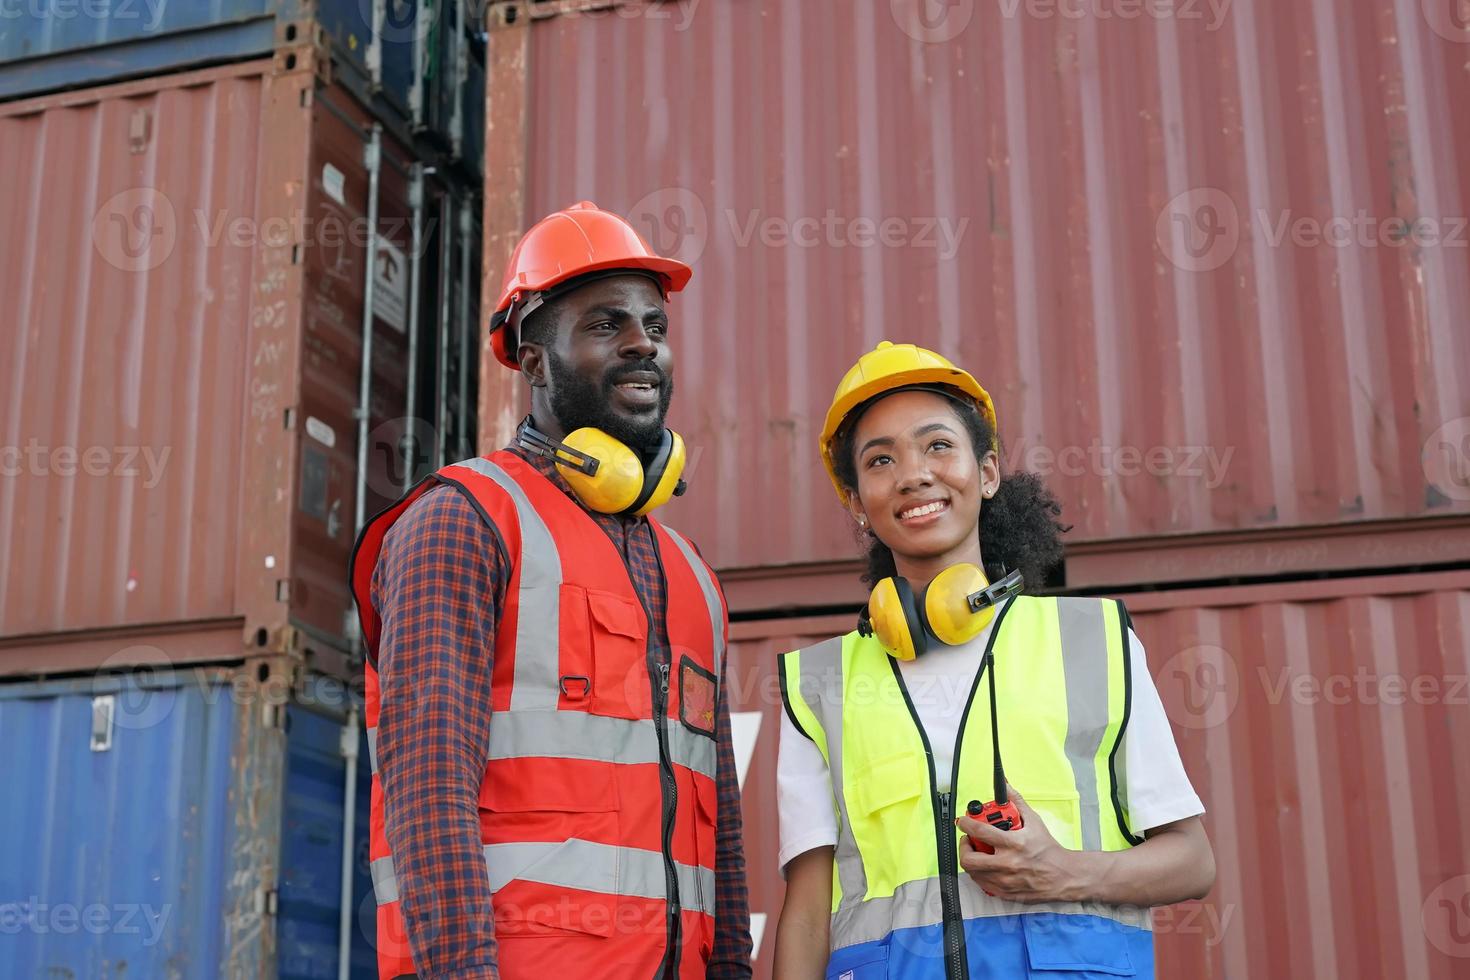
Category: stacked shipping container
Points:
column 242, row 317
column 1210, row 260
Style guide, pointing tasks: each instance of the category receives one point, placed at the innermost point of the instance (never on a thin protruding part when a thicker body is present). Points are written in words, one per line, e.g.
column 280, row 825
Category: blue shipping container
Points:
column 178, row 824
column 46, row 45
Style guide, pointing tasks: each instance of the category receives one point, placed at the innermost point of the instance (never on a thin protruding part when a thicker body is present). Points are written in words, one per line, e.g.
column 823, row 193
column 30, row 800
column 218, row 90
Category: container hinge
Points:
column 270, row 900
column 104, row 708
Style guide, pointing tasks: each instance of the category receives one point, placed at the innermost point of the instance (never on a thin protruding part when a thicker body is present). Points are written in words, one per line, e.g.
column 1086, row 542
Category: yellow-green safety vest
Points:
column 900, row 905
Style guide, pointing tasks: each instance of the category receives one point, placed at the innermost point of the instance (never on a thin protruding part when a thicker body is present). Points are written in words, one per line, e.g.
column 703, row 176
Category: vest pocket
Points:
column 1061, row 811
column 619, row 640
column 868, row 961
column 536, row 896
column 549, row 874
column 1075, row 947
column 889, row 817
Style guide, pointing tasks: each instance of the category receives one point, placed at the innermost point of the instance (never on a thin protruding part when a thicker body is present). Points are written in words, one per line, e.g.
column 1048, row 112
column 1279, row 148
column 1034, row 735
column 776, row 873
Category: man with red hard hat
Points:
column 554, row 792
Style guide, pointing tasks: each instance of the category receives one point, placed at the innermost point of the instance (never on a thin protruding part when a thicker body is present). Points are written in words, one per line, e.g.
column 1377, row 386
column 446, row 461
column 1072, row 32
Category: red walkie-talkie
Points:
column 1000, row 812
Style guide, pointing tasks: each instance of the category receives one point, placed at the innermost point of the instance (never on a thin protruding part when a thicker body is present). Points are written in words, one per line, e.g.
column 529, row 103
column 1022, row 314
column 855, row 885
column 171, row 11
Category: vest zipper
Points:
column 956, row 965
column 956, row 957
column 658, row 676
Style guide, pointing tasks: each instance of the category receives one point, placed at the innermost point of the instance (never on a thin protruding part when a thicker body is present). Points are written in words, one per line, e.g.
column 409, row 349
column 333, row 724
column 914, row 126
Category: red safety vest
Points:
column 597, row 807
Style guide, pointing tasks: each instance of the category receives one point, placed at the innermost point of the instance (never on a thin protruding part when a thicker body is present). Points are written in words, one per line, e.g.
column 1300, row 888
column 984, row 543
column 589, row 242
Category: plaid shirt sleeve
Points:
column 439, row 586
column 730, row 955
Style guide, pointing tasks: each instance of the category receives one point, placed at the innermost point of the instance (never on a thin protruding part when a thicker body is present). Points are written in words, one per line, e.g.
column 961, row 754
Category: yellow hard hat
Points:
column 888, row 367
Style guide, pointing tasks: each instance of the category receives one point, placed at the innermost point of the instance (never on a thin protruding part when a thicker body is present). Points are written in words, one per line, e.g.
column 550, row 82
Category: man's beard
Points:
column 579, row 403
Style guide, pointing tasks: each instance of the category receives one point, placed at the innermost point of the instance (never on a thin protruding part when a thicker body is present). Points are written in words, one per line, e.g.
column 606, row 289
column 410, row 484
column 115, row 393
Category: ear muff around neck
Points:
column 619, row 477
column 894, row 618
column 954, row 608
column 946, row 604
column 661, row 475
column 606, row 475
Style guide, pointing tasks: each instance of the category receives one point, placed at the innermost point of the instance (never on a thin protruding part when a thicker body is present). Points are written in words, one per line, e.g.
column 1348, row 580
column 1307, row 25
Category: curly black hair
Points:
column 1019, row 526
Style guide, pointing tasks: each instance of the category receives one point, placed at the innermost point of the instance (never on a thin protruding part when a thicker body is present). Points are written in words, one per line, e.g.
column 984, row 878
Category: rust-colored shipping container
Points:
column 1211, row 259
column 192, row 260
column 1320, row 724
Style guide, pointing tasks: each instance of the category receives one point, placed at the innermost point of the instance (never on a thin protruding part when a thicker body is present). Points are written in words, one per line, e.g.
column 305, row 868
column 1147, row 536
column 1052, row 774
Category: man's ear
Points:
column 532, row 359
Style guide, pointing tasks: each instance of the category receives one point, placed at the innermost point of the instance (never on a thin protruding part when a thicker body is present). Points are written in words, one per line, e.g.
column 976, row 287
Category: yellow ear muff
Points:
column 947, row 608
column 619, row 477
column 894, row 618
column 666, row 471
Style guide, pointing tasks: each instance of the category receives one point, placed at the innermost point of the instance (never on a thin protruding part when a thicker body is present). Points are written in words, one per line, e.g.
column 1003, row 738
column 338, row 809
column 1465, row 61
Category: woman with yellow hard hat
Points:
column 977, row 781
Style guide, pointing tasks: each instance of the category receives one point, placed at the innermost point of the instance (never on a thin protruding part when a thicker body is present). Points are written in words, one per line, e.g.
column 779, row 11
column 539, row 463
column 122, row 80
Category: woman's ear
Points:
column 856, row 509
column 989, row 475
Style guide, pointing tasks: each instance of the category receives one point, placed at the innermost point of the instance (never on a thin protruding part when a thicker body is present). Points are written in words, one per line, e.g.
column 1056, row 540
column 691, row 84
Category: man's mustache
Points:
column 621, row 373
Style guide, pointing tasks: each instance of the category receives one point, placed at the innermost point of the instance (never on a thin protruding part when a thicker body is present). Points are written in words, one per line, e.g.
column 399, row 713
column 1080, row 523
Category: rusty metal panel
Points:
column 122, row 352
column 1321, row 735
column 1319, row 723
column 1142, row 232
column 179, row 445
column 336, row 266
column 755, row 714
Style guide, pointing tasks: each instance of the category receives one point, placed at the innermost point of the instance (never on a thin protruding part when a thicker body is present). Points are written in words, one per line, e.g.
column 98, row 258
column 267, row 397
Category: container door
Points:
column 125, row 851
column 311, row 851
column 344, row 259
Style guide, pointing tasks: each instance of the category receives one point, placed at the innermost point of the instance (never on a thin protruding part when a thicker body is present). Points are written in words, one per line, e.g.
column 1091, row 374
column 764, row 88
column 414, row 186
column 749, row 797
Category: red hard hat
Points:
column 568, row 244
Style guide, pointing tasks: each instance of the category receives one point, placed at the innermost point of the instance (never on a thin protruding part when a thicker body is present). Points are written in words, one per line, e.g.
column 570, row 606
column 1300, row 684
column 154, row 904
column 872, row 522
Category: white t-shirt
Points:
column 1155, row 790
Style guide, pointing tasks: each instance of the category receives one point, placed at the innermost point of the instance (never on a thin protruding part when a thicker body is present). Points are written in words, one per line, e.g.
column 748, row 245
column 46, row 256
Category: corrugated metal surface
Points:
column 1323, row 736
column 322, row 524
column 755, row 706
column 153, row 857
column 1000, row 195
column 311, row 850
column 145, row 371
column 180, row 439
column 1320, row 723
column 33, row 31
column 49, row 47
column 168, row 828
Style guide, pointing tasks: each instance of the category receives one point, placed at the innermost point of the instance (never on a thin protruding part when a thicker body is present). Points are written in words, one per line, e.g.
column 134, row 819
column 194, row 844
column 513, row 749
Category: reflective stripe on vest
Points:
column 627, row 871
column 577, row 735
column 706, row 586
column 1062, row 689
column 538, row 629
column 916, row 904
